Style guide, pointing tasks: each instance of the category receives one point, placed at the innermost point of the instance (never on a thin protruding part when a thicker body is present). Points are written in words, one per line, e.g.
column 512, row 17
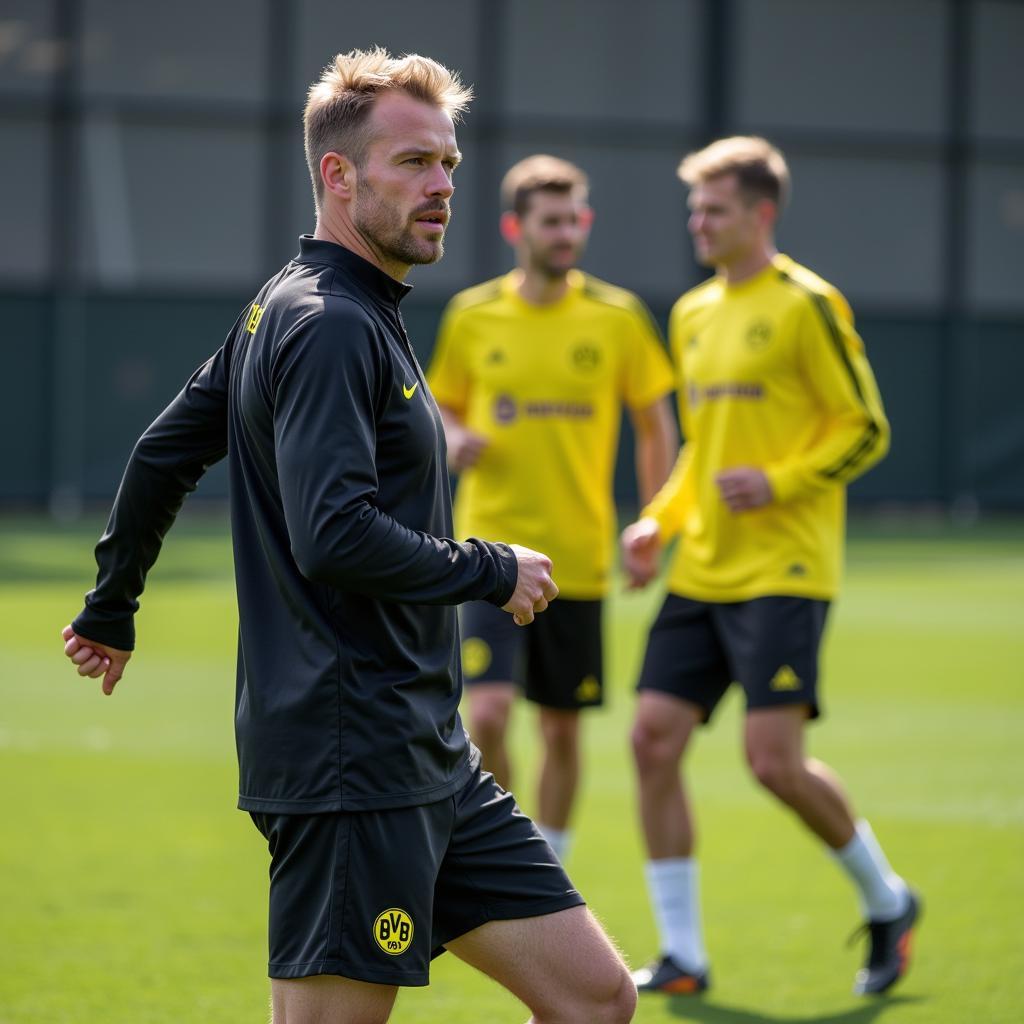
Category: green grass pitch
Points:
column 131, row 891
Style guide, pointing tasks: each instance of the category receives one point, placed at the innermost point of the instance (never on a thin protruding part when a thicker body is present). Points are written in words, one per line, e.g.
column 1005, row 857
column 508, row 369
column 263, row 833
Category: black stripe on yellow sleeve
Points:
column 620, row 298
column 846, row 465
column 641, row 309
column 488, row 291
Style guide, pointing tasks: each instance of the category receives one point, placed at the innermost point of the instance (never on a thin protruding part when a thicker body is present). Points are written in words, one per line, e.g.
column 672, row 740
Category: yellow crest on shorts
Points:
column 392, row 931
column 589, row 688
column 785, row 679
column 476, row 656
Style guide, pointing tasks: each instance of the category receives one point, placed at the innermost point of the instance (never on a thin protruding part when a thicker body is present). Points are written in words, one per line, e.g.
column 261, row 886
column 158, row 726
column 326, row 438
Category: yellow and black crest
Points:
column 476, row 656
column 393, row 931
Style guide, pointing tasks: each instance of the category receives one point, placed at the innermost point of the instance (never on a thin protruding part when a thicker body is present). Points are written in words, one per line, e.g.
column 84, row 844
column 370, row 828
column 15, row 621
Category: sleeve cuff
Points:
column 106, row 627
column 666, row 530
column 649, row 397
column 788, row 482
column 508, row 574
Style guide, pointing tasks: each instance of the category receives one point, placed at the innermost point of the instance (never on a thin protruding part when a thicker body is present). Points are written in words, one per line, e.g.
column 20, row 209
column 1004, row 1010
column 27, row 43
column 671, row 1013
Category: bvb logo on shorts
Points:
column 393, row 931
column 476, row 656
column 589, row 689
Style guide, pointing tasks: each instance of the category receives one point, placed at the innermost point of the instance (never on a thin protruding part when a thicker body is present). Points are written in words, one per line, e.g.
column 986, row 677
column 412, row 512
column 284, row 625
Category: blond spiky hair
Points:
column 759, row 167
column 340, row 101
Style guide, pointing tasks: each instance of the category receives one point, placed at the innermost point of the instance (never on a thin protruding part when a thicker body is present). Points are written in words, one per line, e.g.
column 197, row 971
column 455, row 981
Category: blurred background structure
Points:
column 153, row 176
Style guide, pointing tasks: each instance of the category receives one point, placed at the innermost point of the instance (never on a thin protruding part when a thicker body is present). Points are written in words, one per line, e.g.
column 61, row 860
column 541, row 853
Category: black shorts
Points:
column 375, row 895
column 557, row 659
column 769, row 645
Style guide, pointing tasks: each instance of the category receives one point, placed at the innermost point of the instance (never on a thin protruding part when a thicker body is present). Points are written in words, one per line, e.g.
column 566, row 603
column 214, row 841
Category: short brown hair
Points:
column 540, row 173
column 340, row 101
column 759, row 167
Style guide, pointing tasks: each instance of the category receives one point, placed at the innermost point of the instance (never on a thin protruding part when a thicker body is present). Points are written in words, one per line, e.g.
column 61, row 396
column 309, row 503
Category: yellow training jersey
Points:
column 546, row 385
column 772, row 374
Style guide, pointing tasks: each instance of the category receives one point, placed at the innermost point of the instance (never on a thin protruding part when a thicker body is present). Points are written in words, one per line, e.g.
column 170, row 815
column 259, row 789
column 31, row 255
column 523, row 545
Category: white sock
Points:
column 559, row 839
column 673, row 884
column 883, row 894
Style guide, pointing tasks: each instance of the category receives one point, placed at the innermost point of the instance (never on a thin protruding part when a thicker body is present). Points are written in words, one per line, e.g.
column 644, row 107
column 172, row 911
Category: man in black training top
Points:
column 349, row 739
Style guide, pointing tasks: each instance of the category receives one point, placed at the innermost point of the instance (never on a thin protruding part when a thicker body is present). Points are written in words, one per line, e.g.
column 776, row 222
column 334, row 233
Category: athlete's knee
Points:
column 621, row 1004
column 560, row 732
column 609, row 999
column 488, row 718
column 655, row 749
column 487, row 730
column 781, row 775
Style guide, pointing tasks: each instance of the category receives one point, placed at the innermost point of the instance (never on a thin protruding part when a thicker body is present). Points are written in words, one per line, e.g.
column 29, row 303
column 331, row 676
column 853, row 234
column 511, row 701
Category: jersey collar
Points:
column 382, row 286
column 575, row 279
column 774, row 265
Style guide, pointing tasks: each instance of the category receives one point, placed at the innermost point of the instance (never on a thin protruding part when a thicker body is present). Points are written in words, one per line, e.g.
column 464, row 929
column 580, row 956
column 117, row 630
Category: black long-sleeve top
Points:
column 349, row 676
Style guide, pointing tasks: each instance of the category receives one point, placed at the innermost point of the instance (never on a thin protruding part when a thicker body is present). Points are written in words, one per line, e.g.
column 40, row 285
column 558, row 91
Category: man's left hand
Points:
column 744, row 488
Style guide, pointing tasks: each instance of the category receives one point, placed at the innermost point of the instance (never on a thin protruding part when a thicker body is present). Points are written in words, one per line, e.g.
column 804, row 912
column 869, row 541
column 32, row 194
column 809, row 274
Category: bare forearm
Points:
column 464, row 445
column 657, row 447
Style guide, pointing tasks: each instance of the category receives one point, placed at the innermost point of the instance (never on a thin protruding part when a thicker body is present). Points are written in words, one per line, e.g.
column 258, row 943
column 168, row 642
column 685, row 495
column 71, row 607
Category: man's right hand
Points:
column 534, row 586
column 641, row 544
column 94, row 659
column 465, row 446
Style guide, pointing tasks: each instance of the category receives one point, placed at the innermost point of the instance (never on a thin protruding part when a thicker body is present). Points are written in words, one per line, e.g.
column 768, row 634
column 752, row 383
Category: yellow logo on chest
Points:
column 255, row 316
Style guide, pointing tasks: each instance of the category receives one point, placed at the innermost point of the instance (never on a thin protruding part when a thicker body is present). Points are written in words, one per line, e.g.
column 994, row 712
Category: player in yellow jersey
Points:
column 779, row 411
column 532, row 371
